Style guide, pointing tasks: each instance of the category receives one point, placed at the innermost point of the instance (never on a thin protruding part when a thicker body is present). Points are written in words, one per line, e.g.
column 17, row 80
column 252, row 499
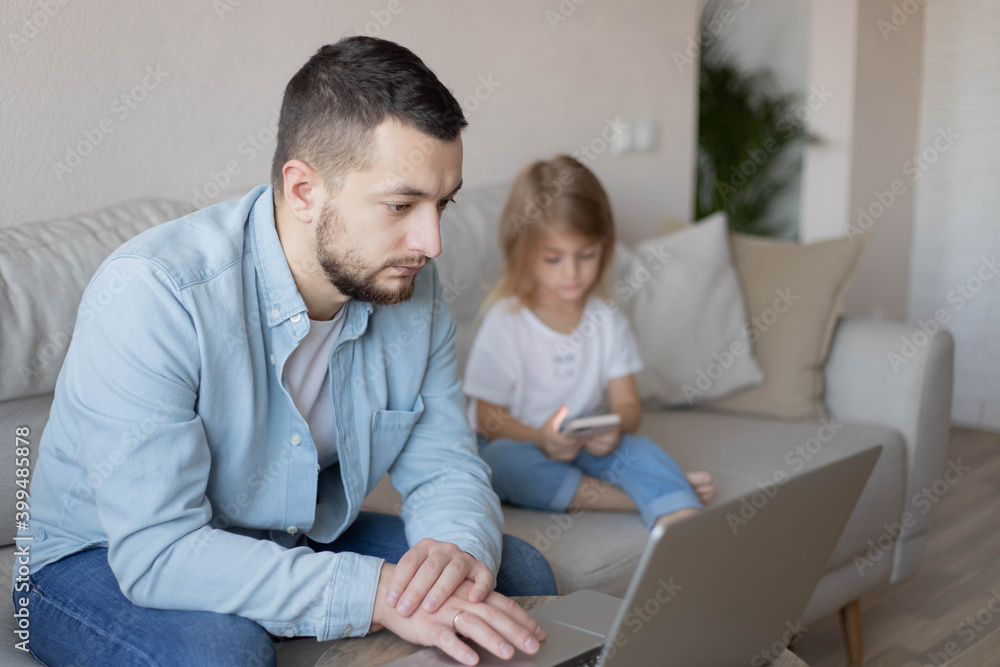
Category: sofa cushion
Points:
column 793, row 295
column 44, row 268
column 600, row 550
column 32, row 412
column 689, row 318
column 745, row 452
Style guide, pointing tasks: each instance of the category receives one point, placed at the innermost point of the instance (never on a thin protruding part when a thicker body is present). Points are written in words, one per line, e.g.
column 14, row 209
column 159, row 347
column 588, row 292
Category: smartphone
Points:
column 586, row 427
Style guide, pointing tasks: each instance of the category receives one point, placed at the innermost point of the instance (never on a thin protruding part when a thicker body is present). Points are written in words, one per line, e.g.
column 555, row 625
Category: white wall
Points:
column 833, row 67
column 956, row 240
column 64, row 72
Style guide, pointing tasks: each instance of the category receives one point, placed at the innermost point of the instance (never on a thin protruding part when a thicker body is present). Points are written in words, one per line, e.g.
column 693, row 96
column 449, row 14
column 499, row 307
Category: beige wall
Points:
column 221, row 75
column 886, row 113
column 869, row 132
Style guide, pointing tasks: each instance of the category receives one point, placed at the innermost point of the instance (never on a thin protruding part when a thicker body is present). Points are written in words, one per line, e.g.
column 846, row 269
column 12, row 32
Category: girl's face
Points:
column 567, row 265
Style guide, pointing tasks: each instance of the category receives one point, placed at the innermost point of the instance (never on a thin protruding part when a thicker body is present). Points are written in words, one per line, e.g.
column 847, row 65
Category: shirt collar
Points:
column 281, row 296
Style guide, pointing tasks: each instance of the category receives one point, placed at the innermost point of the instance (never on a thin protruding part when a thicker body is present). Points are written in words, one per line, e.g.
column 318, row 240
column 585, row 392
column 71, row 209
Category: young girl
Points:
column 550, row 347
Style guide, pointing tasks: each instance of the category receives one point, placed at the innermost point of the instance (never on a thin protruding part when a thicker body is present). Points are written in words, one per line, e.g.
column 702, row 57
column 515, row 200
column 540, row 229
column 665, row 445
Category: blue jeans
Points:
column 523, row 475
column 80, row 617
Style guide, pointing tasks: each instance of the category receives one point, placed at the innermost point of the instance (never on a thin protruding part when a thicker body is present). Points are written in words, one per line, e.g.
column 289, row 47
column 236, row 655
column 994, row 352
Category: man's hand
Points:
column 430, row 572
column 558, row 446
column 498, row 623
column 602, row 445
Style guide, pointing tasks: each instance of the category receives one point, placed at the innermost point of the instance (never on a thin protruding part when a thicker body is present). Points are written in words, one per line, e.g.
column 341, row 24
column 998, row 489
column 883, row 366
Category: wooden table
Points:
column 381, row 647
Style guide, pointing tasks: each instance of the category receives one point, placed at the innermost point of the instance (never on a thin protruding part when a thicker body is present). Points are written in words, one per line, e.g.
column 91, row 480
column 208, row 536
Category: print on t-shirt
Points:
column 564, row 365
column 521, row 364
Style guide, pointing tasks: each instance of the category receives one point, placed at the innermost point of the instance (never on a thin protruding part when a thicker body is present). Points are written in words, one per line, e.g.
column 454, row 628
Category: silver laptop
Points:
column 726, row 587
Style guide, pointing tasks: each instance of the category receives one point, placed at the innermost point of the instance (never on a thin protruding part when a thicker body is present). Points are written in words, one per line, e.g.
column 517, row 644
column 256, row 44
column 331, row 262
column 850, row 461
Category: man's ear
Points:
column 302, row 185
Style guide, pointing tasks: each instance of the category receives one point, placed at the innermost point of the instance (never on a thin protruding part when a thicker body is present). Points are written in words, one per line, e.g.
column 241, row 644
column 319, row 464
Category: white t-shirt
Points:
column 307, row 371
column 518, row 362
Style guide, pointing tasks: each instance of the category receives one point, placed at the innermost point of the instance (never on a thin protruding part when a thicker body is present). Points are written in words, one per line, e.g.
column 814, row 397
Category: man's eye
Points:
column 397, row 208
column 444, row 202
column 589, row 255
column 552, row 260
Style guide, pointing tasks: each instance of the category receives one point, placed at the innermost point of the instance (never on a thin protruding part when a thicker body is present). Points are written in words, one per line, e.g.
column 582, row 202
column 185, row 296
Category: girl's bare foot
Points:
column 701, row 482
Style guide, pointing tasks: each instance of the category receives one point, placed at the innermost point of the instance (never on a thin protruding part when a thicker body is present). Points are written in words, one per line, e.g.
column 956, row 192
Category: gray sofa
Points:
column 44, row 268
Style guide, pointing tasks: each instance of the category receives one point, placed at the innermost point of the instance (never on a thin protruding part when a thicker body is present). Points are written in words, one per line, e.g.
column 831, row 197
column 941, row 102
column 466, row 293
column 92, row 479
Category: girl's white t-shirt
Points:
column 307, row 371
column 519, row 362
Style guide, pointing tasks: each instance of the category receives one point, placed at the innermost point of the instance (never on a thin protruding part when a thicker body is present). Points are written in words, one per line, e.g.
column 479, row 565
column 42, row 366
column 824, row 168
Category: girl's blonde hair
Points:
column 555, row 195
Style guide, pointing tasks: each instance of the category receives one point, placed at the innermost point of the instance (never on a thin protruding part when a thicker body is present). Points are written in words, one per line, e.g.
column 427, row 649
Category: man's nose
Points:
column 425, row 234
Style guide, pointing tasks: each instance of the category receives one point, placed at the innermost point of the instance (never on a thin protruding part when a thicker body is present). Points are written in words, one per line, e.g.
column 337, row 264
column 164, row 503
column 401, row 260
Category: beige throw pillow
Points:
column 793, row 295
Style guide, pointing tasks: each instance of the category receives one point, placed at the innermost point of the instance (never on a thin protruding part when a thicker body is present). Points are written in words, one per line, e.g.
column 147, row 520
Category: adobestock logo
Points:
column 753, row 503
column 899, row 17
column 924, row 500
column 639, row 616
column 706, row 377
column 566, row 9
column 121, row 108
column 915, row 167
column 381, row 19
column 34, row 24
column 261, row 141
column 959, row 297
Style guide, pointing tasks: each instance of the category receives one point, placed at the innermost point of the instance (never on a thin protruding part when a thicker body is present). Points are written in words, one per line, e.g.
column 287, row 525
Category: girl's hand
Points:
column 602, row 445
column 558, row 446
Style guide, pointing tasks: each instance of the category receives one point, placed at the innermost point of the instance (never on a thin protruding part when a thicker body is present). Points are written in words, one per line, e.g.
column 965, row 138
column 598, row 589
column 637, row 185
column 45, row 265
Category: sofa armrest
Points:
column 898, row 374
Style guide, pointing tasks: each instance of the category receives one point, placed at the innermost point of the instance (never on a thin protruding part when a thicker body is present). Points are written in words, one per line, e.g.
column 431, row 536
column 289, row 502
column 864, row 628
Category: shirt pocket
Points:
column 391, row 428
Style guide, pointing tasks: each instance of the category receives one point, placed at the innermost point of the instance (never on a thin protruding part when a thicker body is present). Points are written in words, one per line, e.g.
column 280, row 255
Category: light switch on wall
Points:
column 643, row 135
column 636, row 135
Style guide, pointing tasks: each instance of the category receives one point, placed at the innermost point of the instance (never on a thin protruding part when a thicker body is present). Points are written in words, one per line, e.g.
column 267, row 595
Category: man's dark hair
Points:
column 333, row 104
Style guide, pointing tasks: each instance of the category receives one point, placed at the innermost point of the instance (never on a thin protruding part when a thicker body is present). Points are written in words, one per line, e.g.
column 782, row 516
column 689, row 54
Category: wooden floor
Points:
column 949, row 612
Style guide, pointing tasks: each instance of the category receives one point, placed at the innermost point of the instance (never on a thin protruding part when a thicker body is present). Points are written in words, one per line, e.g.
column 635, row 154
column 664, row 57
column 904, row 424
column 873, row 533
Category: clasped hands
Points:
column 437, row 591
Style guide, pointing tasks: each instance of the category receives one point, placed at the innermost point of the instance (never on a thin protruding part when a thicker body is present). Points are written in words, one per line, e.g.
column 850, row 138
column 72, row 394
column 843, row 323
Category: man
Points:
column 217, row 425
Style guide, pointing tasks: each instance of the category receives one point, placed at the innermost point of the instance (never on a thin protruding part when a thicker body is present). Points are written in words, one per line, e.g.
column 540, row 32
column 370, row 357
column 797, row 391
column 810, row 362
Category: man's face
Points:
column 387, row 216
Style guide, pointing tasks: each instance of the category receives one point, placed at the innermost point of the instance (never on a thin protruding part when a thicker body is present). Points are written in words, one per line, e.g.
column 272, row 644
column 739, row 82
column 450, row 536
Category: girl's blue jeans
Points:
column 523, row 475
column 80, row 617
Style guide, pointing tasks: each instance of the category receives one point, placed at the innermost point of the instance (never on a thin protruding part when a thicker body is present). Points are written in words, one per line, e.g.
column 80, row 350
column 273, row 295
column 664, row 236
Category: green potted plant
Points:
column 746, row 126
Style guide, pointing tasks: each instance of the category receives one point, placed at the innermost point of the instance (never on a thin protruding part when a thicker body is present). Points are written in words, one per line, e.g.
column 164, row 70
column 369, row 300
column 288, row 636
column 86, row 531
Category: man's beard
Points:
column 346, row 271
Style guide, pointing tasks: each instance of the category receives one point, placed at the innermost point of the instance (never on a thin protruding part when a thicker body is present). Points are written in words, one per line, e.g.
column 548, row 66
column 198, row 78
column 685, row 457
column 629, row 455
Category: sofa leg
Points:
column 850, row 621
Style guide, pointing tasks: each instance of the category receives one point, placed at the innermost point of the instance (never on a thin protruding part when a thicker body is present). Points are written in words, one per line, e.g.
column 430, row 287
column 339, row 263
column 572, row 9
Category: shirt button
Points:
column 296, row 317
column 295, row 439
column 275, row 313
column 272, row 359
column 347, row 631
column 292, row 530
column 289, row 633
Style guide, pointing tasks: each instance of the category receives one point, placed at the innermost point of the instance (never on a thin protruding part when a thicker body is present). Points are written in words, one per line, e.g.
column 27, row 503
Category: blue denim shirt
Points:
column 174, row 441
